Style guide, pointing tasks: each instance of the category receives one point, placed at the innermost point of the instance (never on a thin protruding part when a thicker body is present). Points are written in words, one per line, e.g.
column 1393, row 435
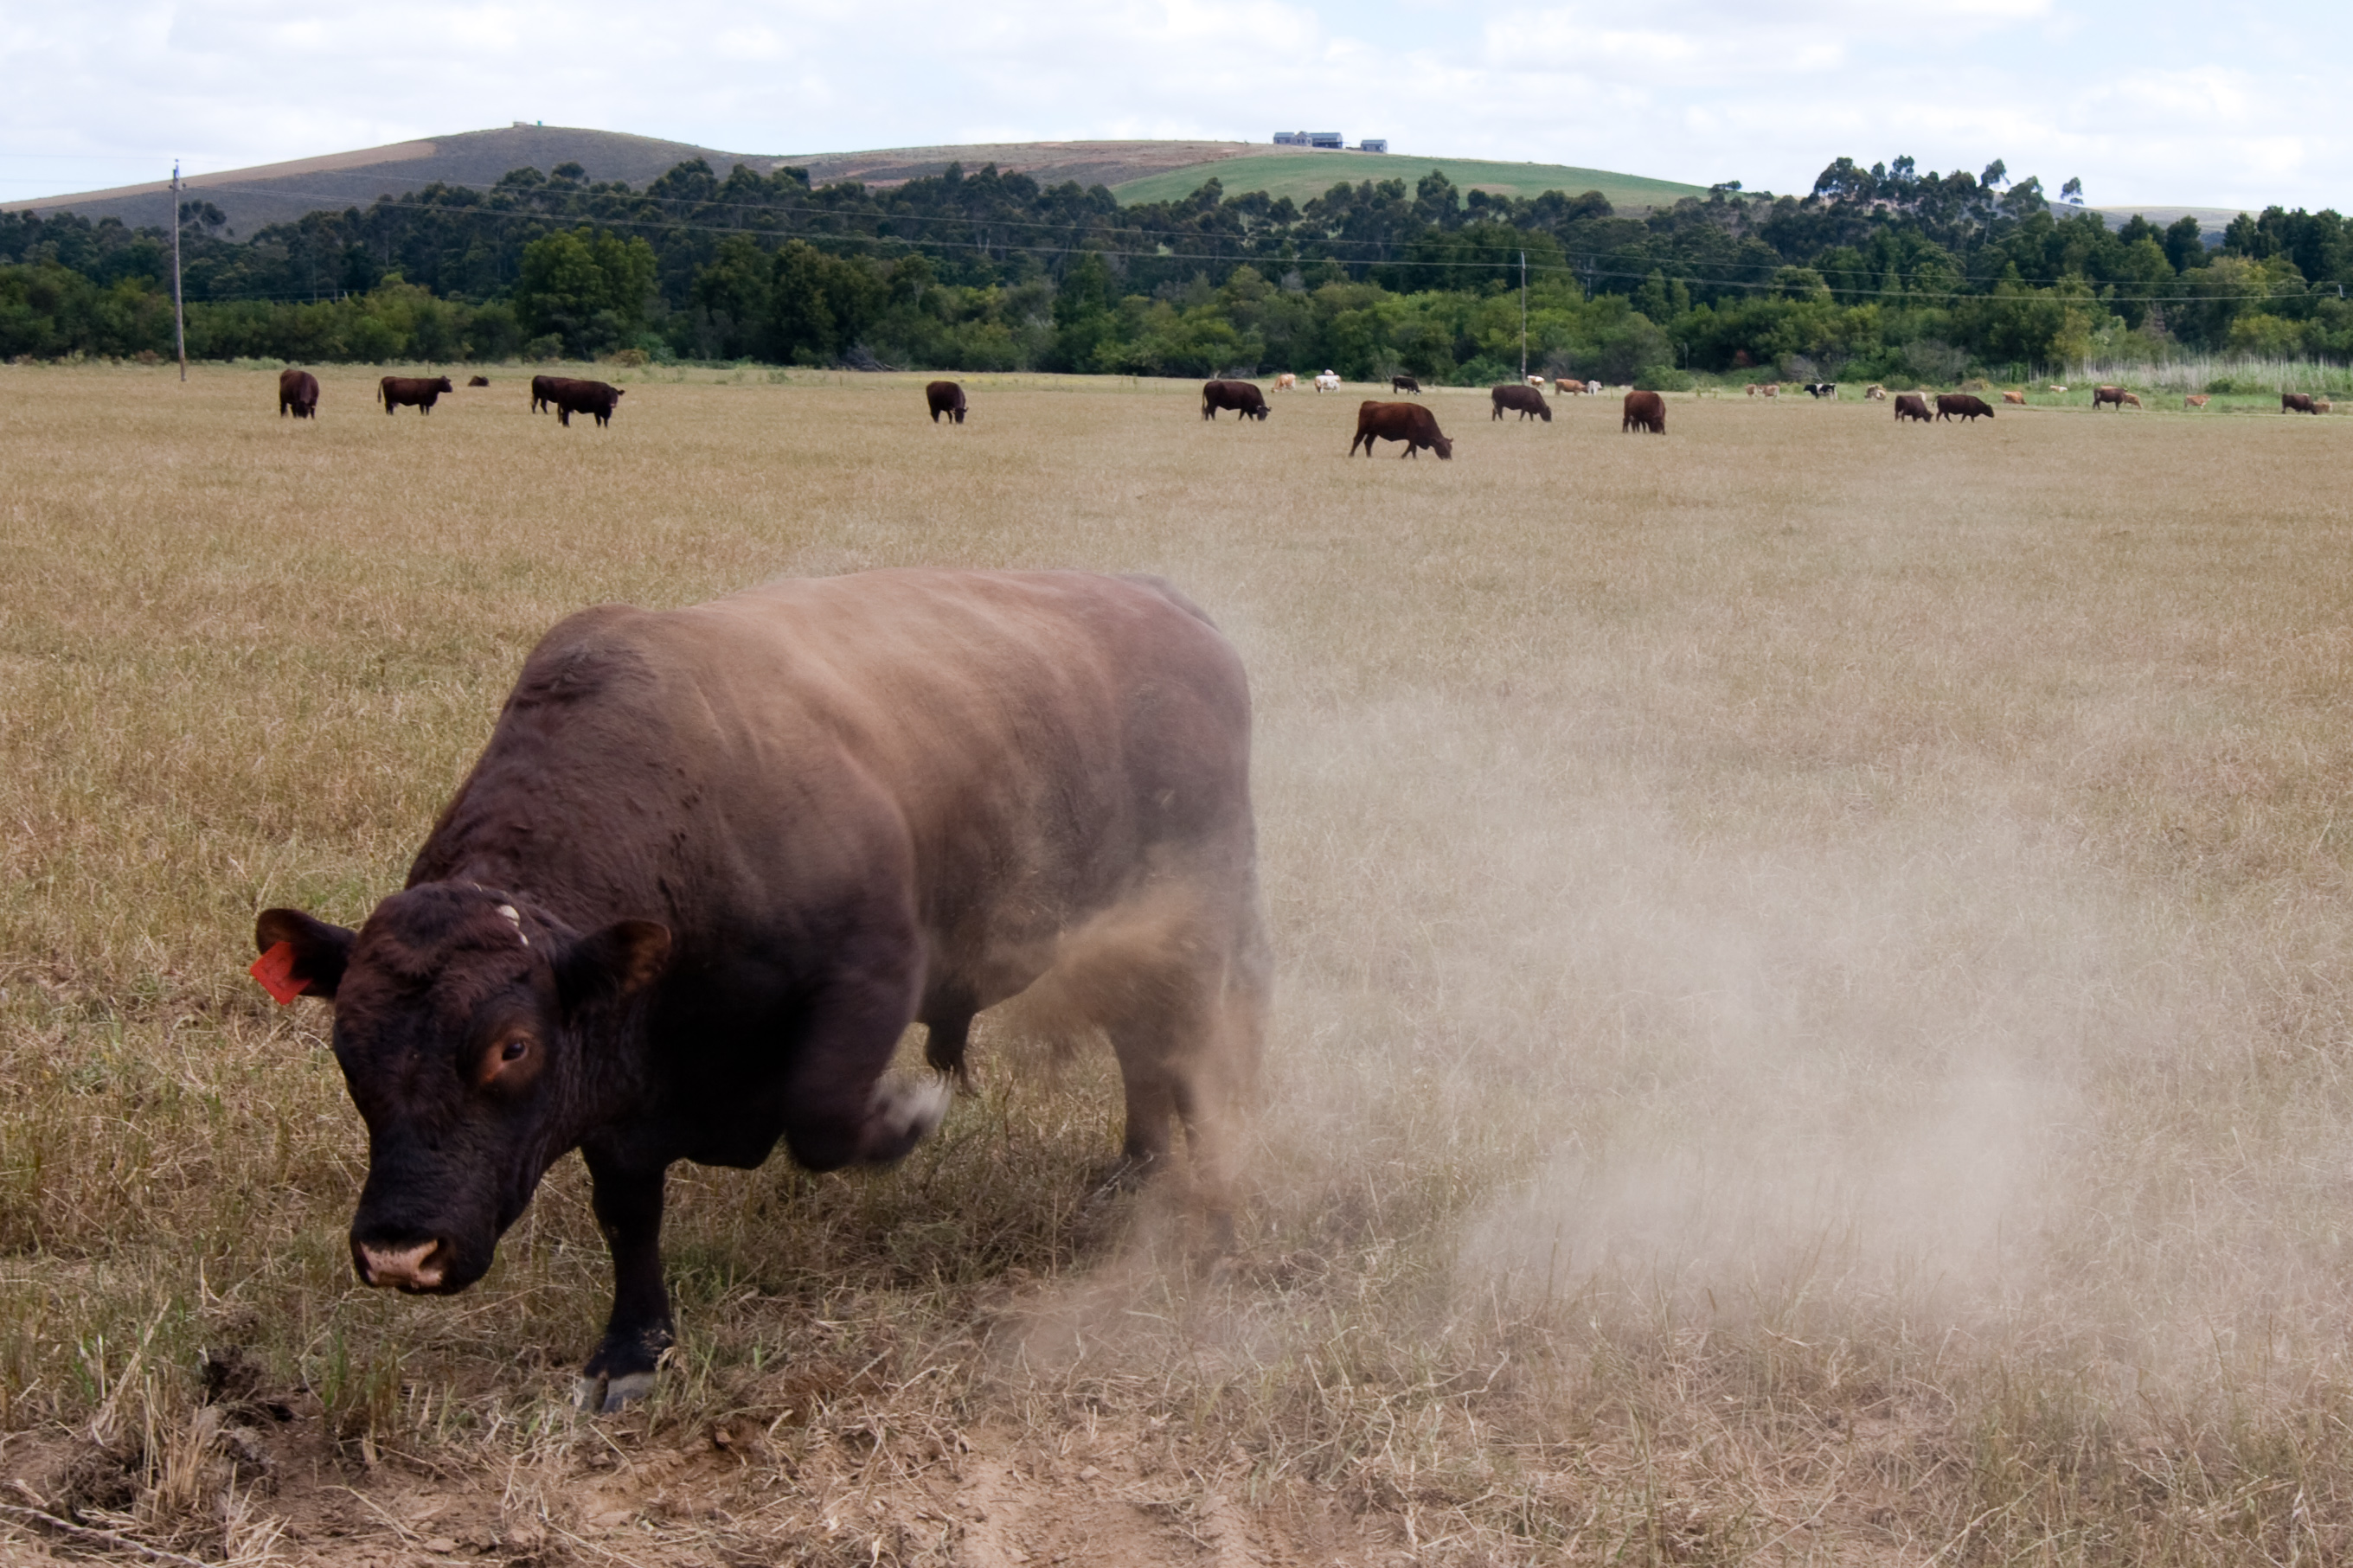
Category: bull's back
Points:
column 1020, row 748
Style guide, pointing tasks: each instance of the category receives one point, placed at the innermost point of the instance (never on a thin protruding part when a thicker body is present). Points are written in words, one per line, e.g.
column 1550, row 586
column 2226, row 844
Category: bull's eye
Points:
column 514, row 1049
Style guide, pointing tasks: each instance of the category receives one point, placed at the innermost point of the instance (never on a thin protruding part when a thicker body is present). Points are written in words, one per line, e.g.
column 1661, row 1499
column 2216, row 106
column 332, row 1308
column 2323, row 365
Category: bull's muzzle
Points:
column 419, row 1268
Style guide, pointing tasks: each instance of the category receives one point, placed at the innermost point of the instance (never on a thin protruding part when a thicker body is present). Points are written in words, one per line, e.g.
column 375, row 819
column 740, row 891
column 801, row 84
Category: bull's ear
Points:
column 317, row 950
column 623, row 957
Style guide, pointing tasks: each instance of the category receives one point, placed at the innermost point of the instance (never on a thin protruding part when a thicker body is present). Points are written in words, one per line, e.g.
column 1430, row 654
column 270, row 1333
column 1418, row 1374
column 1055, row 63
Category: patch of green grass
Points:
column 1304, row 176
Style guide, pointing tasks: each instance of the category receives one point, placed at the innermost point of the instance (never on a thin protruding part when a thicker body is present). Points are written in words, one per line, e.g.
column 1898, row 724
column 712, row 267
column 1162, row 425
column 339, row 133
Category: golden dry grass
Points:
column 1813, row 1012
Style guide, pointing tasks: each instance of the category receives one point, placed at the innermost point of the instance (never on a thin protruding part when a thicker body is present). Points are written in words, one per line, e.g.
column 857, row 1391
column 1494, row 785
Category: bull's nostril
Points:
column 419, row 1267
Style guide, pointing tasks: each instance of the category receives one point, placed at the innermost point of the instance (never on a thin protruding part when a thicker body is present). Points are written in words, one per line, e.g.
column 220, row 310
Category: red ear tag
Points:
column 275, row 970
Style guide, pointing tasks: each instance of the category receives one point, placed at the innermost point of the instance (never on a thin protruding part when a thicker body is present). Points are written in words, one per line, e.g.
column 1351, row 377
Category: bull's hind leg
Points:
column 945, row 1038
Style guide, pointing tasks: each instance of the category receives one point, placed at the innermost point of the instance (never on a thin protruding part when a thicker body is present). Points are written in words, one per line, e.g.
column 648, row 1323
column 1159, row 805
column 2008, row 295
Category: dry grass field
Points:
column 1814, row 1014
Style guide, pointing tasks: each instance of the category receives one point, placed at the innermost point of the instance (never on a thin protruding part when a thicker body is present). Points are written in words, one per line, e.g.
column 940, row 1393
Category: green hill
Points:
column 1284, row 172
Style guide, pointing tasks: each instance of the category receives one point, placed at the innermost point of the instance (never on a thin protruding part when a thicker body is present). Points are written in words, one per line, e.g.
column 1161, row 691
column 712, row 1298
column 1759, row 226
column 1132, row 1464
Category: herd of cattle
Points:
column 298, row 394
column 1411, row 422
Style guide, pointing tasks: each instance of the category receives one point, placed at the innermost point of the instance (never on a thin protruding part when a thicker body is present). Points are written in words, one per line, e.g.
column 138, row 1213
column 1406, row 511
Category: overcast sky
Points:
column 2156, row 103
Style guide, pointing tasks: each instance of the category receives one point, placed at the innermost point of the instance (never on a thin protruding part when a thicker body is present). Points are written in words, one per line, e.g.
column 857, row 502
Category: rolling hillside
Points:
column 1287, row 172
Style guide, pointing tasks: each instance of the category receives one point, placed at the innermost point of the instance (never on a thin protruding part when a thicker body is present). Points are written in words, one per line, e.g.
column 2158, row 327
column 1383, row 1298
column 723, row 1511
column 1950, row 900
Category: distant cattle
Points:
column 2321, row 405
column 1875, row 392
column 944, row 397
column 1594, row 387
column 1911, row 406
column 297, row 393
column 1526, row 399
column 1286, row 382
column 1411, row 422
column 2115, row 394
column 1772, row 389
column 1754, row 389
column 2057, row 388
column 1644, row 411
column 1967, row 406
column 568, row 397
column 1821, row 389
column 1327, row 382
column 418, row 391
column 2196, row 400
column 1242, row 397
column 1405, row 383
column 477, row 381
column 2296, row 403
column 1567, row 387
column 2016, row 397
column 1535, row 381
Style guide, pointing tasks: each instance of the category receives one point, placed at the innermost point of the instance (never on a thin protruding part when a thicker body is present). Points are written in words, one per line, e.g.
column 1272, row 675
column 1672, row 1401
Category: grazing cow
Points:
column 2321, row 405
column 421, row 392
column 1644, row 411
column 1286, row 382
column 1967, row 405
column 2016, row 397
column 1754, row 389
column 2196, row 400
column 946, row 398
column 1526, row 399
column 1911, row 406
column 1821, row 389
column 477, row 381
column 569, row 396
column 2115, row 394
column 1535, row 381
column 297, row 393
column 1875, row 392
column 2057, row 388
column 1566, row 386
column 2296, row 403
column 1772, row 389
column 1327, row 382
column 713, row 862
column 1242, row 397
column 1411, row 422
column 1405, row 383
column 1594, row 387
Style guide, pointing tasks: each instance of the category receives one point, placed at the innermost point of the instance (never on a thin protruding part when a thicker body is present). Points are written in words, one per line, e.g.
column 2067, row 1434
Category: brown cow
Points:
column 714, row 860
column 1644, row 411
column 1967, row 405
column 2115, row 394
column 569, row 396
column 477, row 381
column 1405, row 383
column 1567, row 386
column 1410, row 423
column 2016, row 397
column 1911, row 406
column 539, row 385
column 2196, row 400
column 944, row 397
column 2296, row 403
column 297, row 393
column 1242, row 397
column 418, row 391
column 1286, row 382
column 1526, row 399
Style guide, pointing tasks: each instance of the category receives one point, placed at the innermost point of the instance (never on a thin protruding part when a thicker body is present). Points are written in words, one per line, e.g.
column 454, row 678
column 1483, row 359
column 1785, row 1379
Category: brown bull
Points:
column 1644, row 411
column 1911, row 406
column 297, row 393
column 1968, row 406
column 419, row 392
column 944, row 397
column 2296, row 403
column 1242, row 397
column 1526, row 399
column 1410, row 423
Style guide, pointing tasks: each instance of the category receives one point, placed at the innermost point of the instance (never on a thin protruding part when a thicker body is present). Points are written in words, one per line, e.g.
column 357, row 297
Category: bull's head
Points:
column 1441, row 446
column 460, row 1020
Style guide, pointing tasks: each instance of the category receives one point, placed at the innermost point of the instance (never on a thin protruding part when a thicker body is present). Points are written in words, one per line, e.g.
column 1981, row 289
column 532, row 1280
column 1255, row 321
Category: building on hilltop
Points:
column 1374, row 144
column 1332, row 140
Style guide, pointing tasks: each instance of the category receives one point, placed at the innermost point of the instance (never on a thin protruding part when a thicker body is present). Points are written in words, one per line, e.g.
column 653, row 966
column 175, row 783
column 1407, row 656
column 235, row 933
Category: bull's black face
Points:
column 459, row 1017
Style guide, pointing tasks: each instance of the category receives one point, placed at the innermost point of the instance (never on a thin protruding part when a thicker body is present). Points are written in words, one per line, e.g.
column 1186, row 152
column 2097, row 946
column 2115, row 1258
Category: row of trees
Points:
column 1884, row 271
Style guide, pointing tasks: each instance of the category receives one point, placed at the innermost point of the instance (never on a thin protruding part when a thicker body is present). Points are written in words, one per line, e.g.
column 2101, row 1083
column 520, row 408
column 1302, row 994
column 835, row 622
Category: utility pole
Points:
column 179, row 311
column 1524, row 317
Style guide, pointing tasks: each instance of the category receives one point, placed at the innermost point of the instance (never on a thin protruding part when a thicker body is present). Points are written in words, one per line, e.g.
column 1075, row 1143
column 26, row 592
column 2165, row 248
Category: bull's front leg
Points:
column 629, row 1204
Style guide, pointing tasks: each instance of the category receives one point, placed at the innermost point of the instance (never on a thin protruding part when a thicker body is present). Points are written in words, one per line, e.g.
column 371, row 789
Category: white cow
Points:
column 1328, row 382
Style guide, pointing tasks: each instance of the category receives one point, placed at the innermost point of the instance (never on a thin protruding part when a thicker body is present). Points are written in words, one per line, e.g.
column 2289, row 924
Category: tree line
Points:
column 1886, row 272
